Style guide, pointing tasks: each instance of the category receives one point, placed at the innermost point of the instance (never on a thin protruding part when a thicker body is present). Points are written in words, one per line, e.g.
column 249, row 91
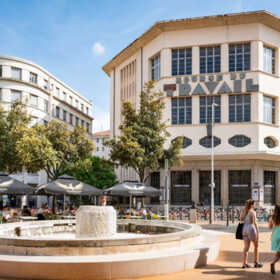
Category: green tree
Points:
column 53, row 147
column 100, row 174
column 12, row 121
column 143, row 134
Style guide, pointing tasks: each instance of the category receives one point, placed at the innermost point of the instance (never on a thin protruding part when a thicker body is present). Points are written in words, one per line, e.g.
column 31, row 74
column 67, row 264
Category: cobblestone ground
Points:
column 228, row 265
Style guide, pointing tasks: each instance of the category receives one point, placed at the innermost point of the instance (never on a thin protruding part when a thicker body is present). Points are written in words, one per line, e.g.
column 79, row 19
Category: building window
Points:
column 33, row 121
column 45, row 84
column 64, row 96
column 77, row 103
column 240, row 108
column 103, row 140
column 57, row 109
column 210, row 59
column 33, row 78
column 186, row 142
column 64, row 115
column 206, row 142
column 97, row 140
column 1, row 73
column 71, row 100
column 270, row 142
column 269, row 181
column 57, row 92
column 182, row 62
column 77, row 121
column 71, row 119
column 103, row 149
column 87, row 110
column 15, row 96
column 16, row 73
column 82, row 107
column 239, row 141
column 155, row 63
column 206, row 109
column 46, row 123
column 269, row 110
column 1, row 94
column 82, row 123
column 239, row 57
column 268, row 60
column 46, row 105
column 181, row 110
column 181, row 187
column 97, row 149
column 87, row 127
column 34, row 100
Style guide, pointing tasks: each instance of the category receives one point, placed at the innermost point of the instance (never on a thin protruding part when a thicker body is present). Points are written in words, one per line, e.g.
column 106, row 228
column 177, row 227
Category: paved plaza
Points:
column 228, row 264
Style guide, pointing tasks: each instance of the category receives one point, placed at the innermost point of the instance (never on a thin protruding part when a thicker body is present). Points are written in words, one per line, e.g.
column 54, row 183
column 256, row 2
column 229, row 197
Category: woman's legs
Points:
column 276, row 257
column 245, row 250
column 256, row 251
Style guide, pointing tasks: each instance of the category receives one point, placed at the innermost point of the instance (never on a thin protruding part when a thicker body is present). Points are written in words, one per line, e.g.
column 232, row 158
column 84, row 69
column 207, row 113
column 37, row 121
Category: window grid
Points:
column 87, row 127
column 239, row 141
column 46, row 105
column 57, row 110
column 16, row 73
column 181, row 110
column 240, row 108
column 186, row 142
column 155, row 63
column 268, row 59
column 206, row 109
column 207, row 142
column 15, row 96
column 34, row 100
column 64, row 115
column 182, row 62
column 269, row 142
column 33, row 78
column 210, row 59
column 71, row 119
column 269, row 110
column 239, row 57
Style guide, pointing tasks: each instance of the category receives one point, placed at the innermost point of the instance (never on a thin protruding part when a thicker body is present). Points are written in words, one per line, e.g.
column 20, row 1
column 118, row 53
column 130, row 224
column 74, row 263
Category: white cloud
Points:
column 101, row 120
column 98, row 48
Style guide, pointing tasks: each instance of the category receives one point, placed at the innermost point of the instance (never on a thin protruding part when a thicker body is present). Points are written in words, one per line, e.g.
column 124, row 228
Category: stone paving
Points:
column 228, row 265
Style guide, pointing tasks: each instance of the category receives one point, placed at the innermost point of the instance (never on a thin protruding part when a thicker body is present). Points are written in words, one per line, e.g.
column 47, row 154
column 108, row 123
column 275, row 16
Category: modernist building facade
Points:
column 99, row 139
column 230, row 60
column 47, row 99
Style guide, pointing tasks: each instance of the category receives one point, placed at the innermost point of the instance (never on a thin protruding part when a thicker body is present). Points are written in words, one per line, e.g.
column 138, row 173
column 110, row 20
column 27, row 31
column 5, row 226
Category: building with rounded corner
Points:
column 47, row 99
column 231, row 60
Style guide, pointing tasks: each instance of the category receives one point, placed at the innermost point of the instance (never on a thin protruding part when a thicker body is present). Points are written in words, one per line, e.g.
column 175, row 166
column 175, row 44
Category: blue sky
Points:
column 73, row 39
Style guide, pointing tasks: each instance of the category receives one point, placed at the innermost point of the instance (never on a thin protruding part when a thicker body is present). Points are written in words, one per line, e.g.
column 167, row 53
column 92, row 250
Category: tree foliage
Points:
column 100, row 174
column 53, row 147
column 12, row 122
column 143, row 134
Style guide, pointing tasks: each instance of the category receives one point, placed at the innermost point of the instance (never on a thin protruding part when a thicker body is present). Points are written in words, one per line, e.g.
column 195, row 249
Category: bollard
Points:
column 227, row 215
column 233, row 214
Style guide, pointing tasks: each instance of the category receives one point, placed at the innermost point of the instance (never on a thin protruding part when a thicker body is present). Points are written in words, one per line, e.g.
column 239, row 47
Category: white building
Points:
column 48, row 99
column 231, row 60
column 99, row 139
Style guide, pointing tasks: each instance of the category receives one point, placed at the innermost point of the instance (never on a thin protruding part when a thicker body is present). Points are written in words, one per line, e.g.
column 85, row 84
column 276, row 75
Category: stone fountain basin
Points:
column 32, row 240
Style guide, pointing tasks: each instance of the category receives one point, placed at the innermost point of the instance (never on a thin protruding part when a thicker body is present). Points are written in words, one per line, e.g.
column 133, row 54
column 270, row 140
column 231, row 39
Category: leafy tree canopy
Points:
column 53, row 147
column 143, row 134
column 12, row 121
column 100, row 174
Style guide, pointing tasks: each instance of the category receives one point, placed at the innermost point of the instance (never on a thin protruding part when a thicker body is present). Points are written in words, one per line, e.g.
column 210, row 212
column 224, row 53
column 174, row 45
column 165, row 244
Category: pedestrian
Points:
column 250, row 233
column 274, row 222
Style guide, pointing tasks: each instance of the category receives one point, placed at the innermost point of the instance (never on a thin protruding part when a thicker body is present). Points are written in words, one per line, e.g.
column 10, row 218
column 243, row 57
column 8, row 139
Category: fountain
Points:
column 97, row 246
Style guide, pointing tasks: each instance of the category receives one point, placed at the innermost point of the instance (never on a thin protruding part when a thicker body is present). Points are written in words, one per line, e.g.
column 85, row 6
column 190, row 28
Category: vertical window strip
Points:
column 269, row 110
column 210, row 59
column 206, row 109
column 240, row 108
column 181, row 110
column 269, row 60
column 155, row 68
column 239, row 57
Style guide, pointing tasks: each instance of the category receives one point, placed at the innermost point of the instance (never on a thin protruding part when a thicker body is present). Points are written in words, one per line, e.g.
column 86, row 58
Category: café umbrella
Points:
column 132, row 188
column 9, row 185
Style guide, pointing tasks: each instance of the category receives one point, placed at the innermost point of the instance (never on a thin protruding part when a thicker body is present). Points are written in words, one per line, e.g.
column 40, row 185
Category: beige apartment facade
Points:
column 47, row 98
column 230, row 60
column 99, row 138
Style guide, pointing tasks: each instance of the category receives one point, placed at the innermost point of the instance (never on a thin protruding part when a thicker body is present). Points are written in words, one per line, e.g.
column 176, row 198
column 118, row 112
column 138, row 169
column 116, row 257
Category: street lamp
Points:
column 210, row 127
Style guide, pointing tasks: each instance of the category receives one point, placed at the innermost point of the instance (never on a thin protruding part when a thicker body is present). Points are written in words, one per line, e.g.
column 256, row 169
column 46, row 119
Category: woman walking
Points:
column 250, row 233
column 274, row 222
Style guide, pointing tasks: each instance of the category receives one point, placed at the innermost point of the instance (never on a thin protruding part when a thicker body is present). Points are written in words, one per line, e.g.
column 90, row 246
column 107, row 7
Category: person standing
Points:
column 250, row 233
column 274, row 222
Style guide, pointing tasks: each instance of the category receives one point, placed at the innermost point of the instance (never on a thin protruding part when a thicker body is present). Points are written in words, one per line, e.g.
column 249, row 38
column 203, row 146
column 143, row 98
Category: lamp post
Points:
column 210, row 128
column 166, row 205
